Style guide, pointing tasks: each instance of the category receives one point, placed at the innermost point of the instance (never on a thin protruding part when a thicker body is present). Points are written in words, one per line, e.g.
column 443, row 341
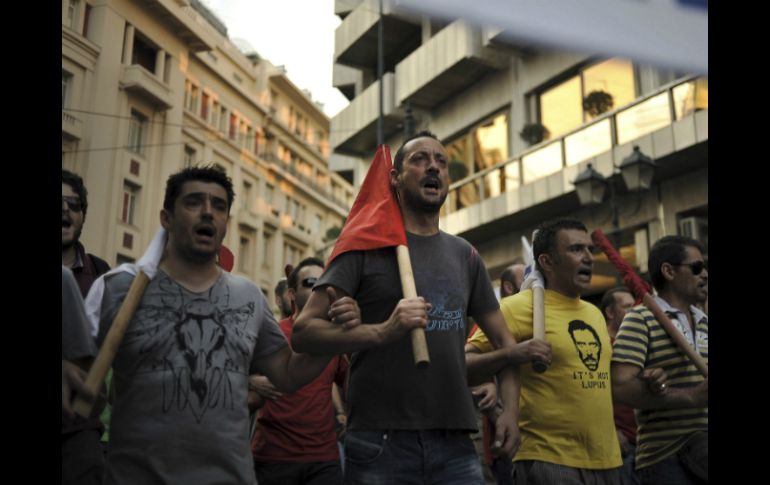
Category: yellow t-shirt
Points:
column 566, row 412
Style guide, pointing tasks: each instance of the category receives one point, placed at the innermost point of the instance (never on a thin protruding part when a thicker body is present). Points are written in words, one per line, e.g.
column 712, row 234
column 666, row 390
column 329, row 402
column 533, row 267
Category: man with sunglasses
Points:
column 295, row 440
column 74, row 204
column 84, row 461
column 672, row 439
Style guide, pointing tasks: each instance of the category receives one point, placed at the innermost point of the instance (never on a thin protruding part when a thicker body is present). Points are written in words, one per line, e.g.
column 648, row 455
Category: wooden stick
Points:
column 538, row 323
column 419, row 345
column 675, row 334
column 111, row 343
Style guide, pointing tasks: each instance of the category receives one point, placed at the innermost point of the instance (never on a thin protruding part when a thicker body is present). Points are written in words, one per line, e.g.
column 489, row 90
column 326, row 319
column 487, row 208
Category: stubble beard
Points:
column 419, row 204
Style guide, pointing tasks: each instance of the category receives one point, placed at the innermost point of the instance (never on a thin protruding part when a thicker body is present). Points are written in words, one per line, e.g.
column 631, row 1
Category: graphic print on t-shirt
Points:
column 588, row 346
column 196, row 341
column 447, row 312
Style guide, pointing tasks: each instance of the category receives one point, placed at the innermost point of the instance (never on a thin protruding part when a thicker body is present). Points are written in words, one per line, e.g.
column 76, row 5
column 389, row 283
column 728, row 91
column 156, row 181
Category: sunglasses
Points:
column 73, row 203
column 697, row 267
column 309, row 282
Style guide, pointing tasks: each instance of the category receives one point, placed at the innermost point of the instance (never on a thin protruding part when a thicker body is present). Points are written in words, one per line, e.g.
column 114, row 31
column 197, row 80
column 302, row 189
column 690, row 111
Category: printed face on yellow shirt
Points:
column 587, row 343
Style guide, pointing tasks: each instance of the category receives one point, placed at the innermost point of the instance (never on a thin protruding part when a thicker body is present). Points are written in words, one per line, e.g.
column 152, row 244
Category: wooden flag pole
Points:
column 419, row 345
column 538, row 323
column 111, row 343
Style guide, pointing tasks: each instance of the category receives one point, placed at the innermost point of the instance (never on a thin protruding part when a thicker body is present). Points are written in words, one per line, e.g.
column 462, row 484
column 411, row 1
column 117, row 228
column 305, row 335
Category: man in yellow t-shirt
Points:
column 566, row 421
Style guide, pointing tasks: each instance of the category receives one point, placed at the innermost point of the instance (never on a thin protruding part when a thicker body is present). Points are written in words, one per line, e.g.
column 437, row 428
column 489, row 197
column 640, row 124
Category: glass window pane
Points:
column 691, row 96
column 588, row 142
column 643, row 118
column 460, row 158
column 561, row 107
column 542, row 162
column 493, row 183
column 614, row 77
column 512, row 175
column 492, row 142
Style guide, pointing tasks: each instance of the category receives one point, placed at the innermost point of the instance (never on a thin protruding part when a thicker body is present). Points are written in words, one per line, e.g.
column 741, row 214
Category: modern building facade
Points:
column 149, row 87
column 520, row 123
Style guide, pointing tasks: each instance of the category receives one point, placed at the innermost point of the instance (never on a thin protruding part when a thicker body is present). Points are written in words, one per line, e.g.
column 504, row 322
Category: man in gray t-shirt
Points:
column 181, row 372
column 410, row 425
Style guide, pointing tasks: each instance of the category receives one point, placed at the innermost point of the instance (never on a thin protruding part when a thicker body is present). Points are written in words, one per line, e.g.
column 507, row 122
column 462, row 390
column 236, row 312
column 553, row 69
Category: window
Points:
column 241, row 133
column 86, row 19
column 483, row 146
column 66, row 80
column 188, row 94
column 136, row 129
column 594, row 90
column 316, row 227
column 215, row 113
column 223, row 119
column 267, row 249
column 72, row 14
column 205, row 106
column 291, row 255
column 144, row 53
column 189, row 156
column 690, row 97
column 233, row 125
column 244, row 252
column 194, row 98
column 246, row 199
column 130, row 196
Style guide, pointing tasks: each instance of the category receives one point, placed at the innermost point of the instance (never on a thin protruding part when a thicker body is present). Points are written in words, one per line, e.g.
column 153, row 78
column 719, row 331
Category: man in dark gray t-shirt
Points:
column 181, row 372
column 409, row 425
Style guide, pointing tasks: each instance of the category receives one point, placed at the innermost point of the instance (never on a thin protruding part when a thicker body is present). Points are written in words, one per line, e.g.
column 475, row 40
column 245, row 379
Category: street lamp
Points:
column 636, row 170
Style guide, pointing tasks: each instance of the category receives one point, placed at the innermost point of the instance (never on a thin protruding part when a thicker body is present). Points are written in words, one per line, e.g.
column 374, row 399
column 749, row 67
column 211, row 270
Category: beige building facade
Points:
column 151, row 87
column 520, row 123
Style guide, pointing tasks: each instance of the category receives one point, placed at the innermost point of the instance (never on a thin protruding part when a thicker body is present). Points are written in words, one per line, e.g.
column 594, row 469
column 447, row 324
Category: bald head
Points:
column 512, row 279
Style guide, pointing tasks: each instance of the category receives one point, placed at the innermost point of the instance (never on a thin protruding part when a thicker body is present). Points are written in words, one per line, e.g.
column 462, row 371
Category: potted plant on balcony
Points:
column 597, row 102
column 534, row 133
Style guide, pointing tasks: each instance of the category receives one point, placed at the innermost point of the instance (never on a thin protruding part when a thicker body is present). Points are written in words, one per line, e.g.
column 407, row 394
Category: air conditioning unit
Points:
column 694, row 227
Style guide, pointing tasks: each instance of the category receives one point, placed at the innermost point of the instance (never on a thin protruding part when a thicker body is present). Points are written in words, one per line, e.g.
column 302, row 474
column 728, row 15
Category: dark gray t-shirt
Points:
column 181, row 380
column 386, row 390
column 76, row 340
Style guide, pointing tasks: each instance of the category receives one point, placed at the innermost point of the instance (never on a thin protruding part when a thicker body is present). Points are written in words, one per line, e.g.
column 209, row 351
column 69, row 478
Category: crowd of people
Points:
column 208, row 387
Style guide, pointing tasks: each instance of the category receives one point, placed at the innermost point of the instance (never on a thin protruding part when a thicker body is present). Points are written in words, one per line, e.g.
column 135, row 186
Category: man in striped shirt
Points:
column 673, row 421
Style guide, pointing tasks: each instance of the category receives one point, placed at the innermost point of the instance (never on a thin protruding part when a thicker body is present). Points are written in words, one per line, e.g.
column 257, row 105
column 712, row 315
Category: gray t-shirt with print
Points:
column 181, row 380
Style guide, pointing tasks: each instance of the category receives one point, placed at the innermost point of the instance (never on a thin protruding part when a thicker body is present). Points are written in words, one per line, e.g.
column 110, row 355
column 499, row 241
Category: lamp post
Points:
column 637, row 171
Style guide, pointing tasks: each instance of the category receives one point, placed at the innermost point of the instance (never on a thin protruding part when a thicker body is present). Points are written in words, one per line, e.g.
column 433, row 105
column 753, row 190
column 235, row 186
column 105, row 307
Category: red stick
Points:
column 642, row 292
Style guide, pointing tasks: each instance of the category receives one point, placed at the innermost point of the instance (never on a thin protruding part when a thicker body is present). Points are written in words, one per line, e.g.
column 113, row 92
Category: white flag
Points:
column 665, row 33
column 148, row 264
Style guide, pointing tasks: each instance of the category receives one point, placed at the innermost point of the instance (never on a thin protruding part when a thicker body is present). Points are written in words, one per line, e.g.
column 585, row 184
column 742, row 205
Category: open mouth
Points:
column 432, row 184
column 585, row 273
column 205, row 232
column 66, row 224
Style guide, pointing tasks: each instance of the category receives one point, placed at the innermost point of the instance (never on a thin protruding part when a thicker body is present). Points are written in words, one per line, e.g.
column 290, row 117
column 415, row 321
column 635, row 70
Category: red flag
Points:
column 375, row 218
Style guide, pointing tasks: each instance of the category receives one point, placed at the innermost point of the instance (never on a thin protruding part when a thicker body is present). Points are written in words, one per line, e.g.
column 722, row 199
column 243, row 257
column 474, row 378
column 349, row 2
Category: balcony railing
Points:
column 645, row 115
column 325, row 190
column 71, row 125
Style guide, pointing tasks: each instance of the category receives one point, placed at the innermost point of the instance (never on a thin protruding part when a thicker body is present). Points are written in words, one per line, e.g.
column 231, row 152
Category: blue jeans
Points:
column 668, row 471
column 628, row 473
column 411, row 457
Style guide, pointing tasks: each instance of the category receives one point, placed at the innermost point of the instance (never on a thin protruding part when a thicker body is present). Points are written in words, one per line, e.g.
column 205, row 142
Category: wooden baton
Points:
column 111, row 343
column 419, row 345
